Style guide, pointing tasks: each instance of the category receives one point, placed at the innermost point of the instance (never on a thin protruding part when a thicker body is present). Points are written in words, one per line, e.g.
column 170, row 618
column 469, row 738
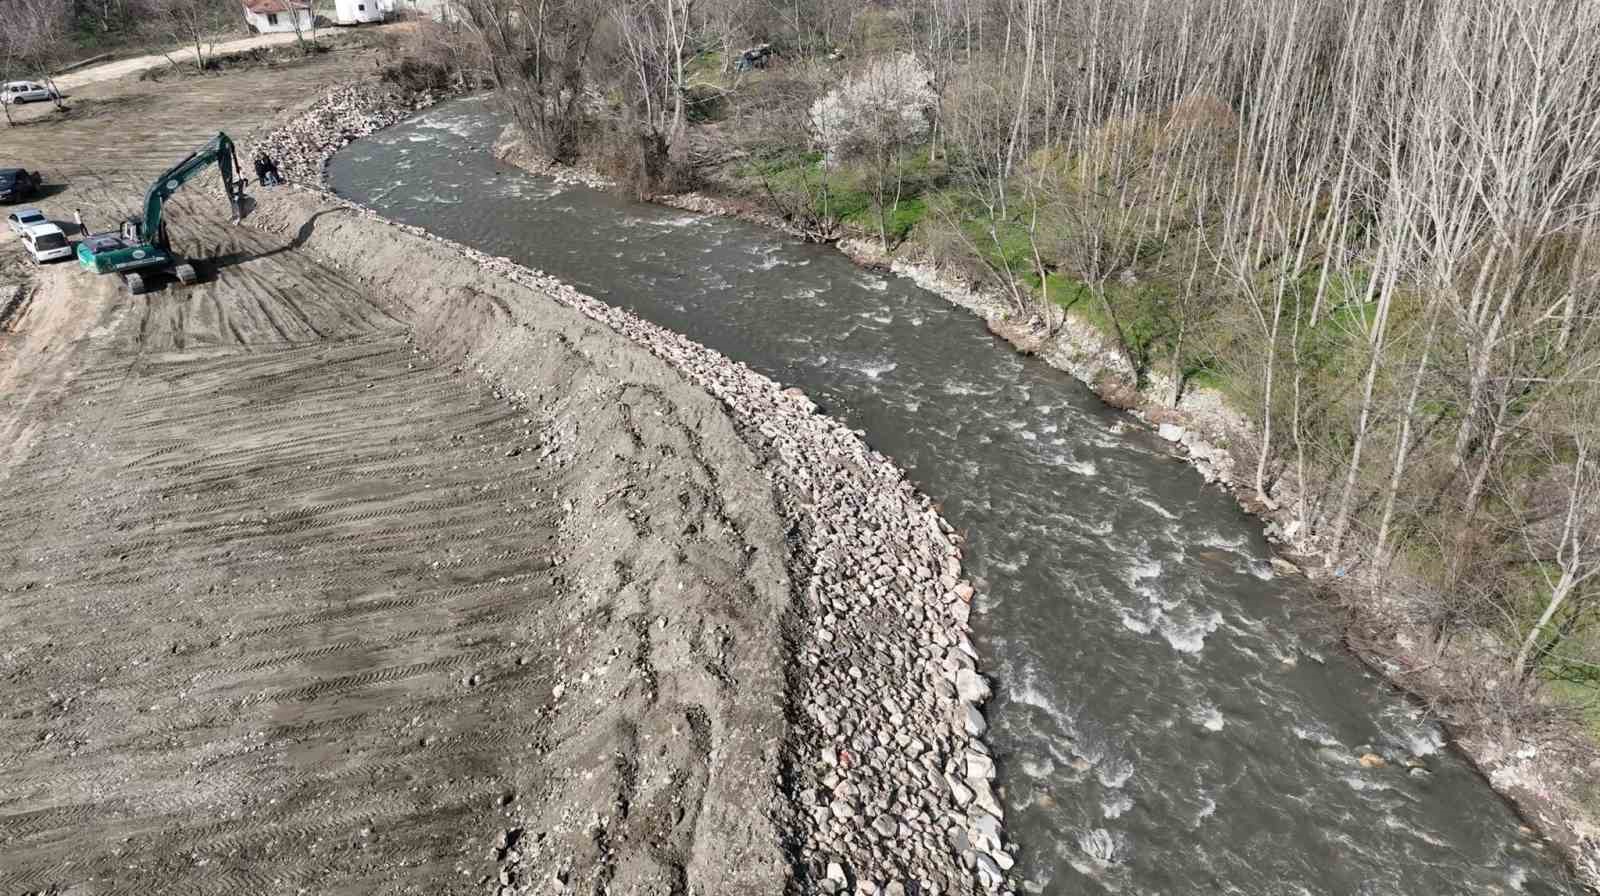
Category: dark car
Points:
column 17, row 184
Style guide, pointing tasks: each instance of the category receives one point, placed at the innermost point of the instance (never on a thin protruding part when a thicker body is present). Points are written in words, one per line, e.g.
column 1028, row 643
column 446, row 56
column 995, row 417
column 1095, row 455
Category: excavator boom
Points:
column 218, row 151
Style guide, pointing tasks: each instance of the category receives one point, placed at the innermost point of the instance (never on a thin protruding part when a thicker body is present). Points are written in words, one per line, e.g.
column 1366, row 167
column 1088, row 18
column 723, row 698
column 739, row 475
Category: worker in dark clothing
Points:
column 268, row 171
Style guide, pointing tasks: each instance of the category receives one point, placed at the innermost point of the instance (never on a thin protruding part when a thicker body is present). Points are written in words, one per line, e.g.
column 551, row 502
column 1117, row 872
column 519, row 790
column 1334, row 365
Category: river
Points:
column 1170, row 716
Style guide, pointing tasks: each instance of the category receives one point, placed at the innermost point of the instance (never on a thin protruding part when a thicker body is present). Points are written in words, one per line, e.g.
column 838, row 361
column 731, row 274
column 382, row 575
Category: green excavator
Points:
column 141, row 246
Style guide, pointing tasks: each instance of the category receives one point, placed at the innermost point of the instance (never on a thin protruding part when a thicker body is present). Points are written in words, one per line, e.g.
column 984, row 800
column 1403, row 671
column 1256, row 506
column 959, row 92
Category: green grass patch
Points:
column 899, row 221
column 1206, row 377
column 1583, row 695
column 842, row 192
column 1144, row 309
column 705, row 68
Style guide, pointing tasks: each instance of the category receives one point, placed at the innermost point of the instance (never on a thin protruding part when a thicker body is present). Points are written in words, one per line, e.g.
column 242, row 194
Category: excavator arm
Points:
column 218, row 151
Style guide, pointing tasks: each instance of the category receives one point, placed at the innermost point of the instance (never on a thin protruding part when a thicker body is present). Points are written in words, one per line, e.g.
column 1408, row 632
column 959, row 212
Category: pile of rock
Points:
column 1214, row 462
column 303, row 146
column 888, row 775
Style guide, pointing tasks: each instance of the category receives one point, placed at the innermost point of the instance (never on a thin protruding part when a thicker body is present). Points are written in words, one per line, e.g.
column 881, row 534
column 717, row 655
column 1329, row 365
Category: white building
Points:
column 356, row 12
column 441, row 11
column 269, row 16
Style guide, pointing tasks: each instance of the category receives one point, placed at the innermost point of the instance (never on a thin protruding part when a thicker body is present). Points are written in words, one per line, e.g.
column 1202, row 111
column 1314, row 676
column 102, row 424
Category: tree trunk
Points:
column 1266, row 403
column 676, row 30
column 1030, row 44
column 1520, row 670
column 55, row 95
column 1341, row 520
column 1402, row 451
column 1177, row 366
column 1098, row 286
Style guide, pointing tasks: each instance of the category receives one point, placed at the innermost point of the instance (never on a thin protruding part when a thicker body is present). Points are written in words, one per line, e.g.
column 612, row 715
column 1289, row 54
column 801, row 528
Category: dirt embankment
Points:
column 885, row 783
column 373, row 564
column 662, row 774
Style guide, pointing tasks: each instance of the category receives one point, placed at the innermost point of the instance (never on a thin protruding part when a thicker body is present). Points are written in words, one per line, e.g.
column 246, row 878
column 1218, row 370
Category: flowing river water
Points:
column 1170, row 717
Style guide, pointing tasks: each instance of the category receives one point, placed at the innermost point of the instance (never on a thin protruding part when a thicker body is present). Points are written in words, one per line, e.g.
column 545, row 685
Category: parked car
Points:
column 46, row 242
column 17, row 184
column 26, row 92
column 23, row 218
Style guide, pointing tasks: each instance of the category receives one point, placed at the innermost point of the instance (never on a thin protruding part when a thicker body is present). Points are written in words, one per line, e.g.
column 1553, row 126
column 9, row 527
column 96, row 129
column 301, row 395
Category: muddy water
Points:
column 1171, row 718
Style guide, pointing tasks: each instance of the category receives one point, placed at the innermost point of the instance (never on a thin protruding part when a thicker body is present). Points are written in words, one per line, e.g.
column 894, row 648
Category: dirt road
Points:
column 184, row 55
column 295, row 602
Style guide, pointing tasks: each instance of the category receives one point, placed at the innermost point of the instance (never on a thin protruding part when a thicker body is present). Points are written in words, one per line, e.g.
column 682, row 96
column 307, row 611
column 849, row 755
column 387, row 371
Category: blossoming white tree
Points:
column 875, row 116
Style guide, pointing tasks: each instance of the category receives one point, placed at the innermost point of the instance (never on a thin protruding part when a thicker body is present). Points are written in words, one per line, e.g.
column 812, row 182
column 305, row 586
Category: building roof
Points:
column 263, row 7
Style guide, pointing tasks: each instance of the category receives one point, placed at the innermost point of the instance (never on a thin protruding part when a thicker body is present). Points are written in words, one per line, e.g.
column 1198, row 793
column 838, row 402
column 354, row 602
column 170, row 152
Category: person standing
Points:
column 77, row 218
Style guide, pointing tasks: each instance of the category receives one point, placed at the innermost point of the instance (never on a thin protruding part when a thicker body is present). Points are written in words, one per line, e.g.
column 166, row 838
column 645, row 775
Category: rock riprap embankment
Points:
column 888, row 780
column 303, row 145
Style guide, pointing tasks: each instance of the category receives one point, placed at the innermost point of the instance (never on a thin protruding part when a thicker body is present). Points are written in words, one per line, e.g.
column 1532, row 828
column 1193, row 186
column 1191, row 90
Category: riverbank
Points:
column 1545, row 773
column 884, row 772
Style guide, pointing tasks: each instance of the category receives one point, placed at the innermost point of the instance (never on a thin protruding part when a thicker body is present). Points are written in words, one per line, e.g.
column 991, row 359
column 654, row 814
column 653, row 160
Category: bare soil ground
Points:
column 293, row 603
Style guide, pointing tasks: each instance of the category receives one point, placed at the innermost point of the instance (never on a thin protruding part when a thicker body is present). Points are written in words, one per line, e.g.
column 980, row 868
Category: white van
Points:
column 46, row 242
column 25, row 92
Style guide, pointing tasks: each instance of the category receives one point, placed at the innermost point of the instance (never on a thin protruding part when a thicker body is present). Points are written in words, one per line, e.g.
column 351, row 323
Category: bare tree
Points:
column 977, row 119
column 37, row 37
column 776, row 141
column 301, row 26
column 195, row 23
column 538, row 52
column 10, row 64
column 653, row 37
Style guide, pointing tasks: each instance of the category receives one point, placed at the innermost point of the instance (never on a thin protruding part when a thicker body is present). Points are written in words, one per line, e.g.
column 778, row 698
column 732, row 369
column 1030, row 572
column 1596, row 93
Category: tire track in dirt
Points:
column 348, row 680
